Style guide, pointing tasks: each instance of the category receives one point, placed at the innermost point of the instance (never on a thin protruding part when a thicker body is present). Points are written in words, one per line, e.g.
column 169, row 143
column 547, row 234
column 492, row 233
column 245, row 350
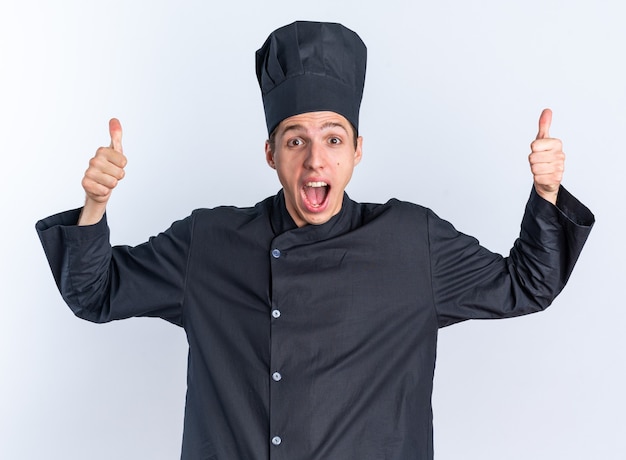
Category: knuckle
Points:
column 88, row 174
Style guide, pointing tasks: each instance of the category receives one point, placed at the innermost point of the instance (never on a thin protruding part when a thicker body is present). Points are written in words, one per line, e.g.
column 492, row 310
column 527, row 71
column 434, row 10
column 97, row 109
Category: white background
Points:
column 453, row 94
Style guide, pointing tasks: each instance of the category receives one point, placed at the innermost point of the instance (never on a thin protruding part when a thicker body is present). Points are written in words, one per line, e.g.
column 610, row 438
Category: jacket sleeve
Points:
column 470, row 282
column 101, row 283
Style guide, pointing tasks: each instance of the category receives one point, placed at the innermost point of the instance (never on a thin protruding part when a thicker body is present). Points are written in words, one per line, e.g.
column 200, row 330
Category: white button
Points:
column 276, row 313
column 275, row 253
column 276, row 440
column 276, row 376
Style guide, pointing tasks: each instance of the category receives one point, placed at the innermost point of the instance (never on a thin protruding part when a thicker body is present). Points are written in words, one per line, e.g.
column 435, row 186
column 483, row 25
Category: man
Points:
column 312, row 319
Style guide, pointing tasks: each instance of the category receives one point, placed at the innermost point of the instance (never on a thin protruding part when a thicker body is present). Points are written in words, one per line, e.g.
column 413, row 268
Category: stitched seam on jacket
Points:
column 186, row 275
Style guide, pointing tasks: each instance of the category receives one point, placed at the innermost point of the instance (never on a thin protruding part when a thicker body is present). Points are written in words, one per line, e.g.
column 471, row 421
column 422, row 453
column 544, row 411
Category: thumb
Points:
column 545, row 120
column 115, row 130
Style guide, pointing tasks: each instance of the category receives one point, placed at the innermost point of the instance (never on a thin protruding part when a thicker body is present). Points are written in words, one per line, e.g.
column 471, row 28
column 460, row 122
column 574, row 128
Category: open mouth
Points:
column 316, row 193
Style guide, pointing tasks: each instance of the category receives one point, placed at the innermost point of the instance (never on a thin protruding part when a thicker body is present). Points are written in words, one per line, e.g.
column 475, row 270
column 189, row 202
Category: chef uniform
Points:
column 314, row 342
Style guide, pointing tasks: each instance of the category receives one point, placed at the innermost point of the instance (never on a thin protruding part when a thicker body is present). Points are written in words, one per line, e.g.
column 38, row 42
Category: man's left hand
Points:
column 547, row 160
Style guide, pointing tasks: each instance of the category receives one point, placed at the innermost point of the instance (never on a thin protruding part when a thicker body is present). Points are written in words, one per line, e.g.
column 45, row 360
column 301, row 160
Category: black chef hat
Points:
column 310, row 67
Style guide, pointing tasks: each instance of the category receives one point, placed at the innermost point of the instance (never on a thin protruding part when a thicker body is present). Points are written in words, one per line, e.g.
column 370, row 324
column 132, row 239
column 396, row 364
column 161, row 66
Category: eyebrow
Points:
column 334, row 124
column 327, row 125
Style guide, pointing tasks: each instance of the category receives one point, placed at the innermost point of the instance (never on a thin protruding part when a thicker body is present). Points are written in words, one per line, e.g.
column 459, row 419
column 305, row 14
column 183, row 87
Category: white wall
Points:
column 452, row 98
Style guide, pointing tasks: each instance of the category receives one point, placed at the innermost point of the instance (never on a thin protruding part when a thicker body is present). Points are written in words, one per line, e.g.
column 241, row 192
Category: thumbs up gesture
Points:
column 547, row 160
column 105, row 170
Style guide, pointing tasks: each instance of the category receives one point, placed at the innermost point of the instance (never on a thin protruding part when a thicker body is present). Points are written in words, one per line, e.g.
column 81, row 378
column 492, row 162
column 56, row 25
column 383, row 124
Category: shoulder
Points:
column 231, row 216
column 393, row 209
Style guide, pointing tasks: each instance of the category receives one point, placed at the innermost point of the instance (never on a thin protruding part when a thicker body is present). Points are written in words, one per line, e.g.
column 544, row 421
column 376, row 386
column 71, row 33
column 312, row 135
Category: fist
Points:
column 547, row 160
column 106, row 168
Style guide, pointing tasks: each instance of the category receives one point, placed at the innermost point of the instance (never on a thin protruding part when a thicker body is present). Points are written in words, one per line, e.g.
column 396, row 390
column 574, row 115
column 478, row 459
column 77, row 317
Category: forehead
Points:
column 313, row 121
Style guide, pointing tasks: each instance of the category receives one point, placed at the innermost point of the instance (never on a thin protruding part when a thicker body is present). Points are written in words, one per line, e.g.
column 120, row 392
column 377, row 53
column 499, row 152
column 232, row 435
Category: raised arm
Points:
column 470, row 282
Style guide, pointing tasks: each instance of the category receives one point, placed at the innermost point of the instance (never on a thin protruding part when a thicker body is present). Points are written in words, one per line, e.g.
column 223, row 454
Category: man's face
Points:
column 314, row 156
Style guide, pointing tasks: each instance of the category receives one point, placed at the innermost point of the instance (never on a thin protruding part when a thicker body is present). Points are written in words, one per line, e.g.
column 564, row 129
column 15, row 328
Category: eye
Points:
column 334, row 141
column 295, row 142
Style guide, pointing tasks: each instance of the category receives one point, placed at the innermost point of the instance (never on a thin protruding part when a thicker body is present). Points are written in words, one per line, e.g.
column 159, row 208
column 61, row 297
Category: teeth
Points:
column 316, row 184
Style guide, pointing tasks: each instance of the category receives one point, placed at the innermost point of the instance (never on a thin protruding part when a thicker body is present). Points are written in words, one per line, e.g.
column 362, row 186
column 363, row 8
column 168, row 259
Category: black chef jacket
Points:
column 313, row 343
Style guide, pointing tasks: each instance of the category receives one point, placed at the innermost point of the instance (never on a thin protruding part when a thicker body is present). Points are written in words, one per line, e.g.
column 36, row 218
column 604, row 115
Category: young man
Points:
column 312, row 319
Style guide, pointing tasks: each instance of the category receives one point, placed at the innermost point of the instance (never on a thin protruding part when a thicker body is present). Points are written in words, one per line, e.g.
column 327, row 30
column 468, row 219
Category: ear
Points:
column 269, row 155
column 358, row 153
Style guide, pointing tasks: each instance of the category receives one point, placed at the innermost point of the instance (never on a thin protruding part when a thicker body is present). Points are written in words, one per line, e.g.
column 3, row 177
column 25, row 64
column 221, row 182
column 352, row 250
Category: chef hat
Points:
column 310, row 67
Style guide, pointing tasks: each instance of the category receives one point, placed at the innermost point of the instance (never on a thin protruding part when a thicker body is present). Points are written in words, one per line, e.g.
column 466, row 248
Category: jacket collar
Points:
column 344, row 221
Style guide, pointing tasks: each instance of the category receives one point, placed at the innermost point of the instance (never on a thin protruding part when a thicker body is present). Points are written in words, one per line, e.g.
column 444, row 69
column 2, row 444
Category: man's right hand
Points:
column 105, row 170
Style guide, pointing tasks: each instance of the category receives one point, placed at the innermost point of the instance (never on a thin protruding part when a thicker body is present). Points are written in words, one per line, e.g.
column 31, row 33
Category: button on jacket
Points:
column 315, row 342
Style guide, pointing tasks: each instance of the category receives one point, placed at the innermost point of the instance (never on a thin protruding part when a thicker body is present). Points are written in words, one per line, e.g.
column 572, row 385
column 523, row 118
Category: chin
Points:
column 319, row 220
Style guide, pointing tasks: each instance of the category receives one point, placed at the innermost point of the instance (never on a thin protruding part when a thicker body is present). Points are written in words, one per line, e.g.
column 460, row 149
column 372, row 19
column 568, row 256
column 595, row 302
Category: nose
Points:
column 315, row 158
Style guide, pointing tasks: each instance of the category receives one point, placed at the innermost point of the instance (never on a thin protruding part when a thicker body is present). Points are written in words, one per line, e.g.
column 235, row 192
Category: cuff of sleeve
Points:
column 568, row 209
column 66, row 222
column 59, row 236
